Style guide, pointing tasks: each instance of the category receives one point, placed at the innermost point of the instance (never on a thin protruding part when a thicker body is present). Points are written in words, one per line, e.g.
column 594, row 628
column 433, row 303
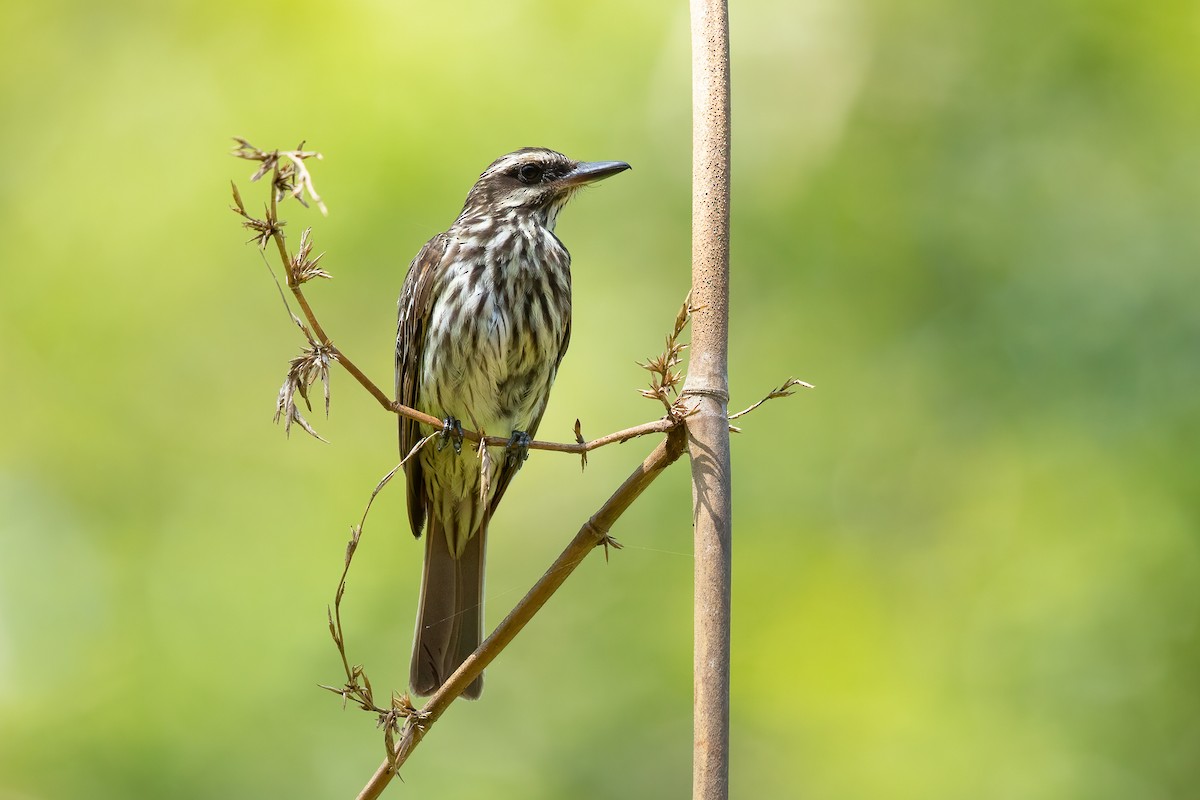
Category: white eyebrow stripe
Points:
column 511, row 160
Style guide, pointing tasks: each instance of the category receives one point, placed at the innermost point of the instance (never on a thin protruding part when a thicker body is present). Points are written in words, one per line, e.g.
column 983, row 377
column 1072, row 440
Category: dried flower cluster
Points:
column 303, row 371
column 303, row 267
column 665, row 377
column 289, row 175
column 264, row 229
column 290, row 178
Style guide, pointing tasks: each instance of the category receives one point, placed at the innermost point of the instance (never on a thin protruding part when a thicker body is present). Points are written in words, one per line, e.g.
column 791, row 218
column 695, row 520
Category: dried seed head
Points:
column 303, row 268
column 303, row 371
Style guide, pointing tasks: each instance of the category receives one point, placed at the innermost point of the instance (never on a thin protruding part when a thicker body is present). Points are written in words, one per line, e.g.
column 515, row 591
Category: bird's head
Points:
column 535, row 182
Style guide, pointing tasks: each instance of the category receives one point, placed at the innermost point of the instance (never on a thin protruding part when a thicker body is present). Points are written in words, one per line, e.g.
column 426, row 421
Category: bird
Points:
column 484, row 319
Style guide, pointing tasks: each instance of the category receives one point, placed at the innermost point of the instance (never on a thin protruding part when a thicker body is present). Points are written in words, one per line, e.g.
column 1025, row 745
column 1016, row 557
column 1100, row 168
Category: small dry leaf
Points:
column 485, row 473
column 580, row 440
column 607, row 541
column 238, row 205
column 388, row 722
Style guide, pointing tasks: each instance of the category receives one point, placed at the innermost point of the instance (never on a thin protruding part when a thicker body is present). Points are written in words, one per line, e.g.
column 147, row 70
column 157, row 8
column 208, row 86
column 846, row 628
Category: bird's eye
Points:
column 529, row 173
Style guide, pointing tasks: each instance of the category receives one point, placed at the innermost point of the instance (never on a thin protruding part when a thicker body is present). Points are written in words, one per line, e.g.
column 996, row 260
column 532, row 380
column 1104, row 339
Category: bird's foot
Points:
column 517, row 449
column 452, row 431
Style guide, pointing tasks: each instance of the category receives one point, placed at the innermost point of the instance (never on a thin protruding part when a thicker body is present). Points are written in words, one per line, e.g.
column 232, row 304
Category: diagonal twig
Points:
column 594, row 532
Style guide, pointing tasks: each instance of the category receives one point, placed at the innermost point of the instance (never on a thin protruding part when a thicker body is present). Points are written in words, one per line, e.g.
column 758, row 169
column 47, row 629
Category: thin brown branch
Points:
column 358, row 686
column 595, row 532
column 774, row 394
column 657, row 426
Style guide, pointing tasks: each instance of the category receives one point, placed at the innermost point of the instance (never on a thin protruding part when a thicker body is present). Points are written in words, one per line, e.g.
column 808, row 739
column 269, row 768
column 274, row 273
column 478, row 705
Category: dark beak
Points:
column 591, row 171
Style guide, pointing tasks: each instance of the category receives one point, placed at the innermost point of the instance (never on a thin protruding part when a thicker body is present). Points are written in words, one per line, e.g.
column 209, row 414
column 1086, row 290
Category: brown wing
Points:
column 416, row 300
column 507, row 471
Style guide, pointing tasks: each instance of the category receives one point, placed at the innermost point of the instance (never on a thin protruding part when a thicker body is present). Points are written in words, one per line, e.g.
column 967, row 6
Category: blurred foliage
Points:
column 966, row 564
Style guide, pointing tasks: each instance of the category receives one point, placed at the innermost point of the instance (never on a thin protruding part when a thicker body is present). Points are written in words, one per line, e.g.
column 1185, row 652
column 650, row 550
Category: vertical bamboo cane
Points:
column 708, row 382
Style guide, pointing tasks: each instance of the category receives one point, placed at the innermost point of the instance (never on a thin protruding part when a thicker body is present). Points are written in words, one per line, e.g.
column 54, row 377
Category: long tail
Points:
column 450, row 614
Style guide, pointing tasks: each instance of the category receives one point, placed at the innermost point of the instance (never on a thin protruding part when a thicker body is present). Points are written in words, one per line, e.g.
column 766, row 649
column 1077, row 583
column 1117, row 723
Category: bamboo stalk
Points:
column 708, row 382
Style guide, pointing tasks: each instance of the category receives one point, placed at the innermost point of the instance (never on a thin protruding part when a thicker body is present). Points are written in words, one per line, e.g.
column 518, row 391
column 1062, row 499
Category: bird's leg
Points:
column 517, row 449
column 452, row 431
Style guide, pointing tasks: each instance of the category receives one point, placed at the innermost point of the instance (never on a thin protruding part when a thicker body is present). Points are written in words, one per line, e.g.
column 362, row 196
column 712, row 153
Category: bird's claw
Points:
column 517, row 449
column 452, row 431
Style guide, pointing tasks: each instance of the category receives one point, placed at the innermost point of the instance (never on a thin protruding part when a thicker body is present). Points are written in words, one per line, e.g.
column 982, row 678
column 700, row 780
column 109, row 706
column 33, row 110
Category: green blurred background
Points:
column 966, row 564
